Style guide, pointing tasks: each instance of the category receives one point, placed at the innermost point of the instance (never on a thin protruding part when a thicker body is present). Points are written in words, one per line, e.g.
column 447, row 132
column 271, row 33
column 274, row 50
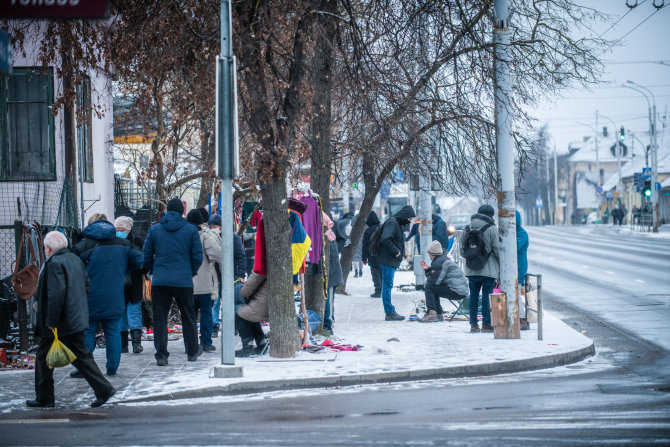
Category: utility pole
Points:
column 556, row 207
column 600, row 180
column 505, row 149
column 227, row 167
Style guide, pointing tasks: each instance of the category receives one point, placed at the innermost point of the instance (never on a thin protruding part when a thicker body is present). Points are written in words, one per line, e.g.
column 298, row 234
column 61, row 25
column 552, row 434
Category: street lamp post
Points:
column 618, row 144
column 654, row 147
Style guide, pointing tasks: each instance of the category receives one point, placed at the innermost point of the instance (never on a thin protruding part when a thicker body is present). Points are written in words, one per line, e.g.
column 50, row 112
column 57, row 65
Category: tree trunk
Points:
column 208, row 160
column 321, row 156
column 284, row 341
column 357, row 231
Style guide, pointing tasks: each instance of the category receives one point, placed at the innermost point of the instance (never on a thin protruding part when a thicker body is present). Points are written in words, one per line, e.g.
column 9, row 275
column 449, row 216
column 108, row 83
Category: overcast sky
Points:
column 637, row 58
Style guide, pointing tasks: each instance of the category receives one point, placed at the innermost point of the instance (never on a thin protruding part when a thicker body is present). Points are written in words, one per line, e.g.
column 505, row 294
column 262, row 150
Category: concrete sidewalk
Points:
column 391, row 351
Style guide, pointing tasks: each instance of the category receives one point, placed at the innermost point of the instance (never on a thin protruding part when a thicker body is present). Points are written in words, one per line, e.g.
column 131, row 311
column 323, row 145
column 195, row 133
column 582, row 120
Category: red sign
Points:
column 88, row 9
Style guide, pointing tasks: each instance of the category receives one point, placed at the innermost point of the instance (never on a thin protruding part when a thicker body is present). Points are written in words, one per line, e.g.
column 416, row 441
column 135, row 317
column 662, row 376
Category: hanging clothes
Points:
column 300, row 242
column 311, row 220
column 260, row 266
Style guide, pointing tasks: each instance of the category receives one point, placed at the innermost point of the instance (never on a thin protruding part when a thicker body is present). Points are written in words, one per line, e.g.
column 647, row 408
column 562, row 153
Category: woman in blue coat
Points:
column 522, row 263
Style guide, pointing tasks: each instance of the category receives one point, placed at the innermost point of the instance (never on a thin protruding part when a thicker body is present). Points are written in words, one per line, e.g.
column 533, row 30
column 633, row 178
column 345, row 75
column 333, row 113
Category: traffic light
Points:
column 646, row 191
column 605, row 131
column 622, row 134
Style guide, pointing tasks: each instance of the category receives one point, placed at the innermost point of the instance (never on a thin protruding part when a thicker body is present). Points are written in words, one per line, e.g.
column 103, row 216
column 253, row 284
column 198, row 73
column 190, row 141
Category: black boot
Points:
column 261, row 345
column 124, row 341
column 136, row 337
column 247, row 348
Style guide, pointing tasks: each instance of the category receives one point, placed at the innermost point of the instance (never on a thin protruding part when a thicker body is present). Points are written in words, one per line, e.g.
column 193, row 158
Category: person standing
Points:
column 372, row 221
column 484, row 278
column 335, row 277
column 62, row 305
column 204, row 285
column 107, row 258
column 522, row 265
column 440, row 233
column 172, row 257
column 443, row 278
column 132, row 290
column 392, row 251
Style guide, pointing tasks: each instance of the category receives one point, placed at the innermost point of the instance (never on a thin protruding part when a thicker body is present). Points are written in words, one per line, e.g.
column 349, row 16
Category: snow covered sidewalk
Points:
column 391, row 351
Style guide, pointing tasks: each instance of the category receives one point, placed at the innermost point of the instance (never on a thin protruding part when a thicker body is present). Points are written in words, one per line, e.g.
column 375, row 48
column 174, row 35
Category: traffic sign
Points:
column 657, row 186
column 599, row 190
column 646, row 172
column 5, row 53
column 610, row 196
column 385, row 190
column 538, row 202
column 639, row 182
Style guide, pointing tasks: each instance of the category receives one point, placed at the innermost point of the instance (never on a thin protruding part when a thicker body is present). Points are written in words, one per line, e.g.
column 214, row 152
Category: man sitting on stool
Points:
column 443, row 278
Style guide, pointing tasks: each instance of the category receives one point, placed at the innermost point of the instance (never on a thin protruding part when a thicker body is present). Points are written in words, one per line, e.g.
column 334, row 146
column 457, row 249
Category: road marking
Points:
column 35, row 421
column 639, row 280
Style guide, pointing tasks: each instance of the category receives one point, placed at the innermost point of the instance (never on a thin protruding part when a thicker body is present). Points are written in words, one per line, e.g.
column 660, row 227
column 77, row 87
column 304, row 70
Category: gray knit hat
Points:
column 124, row 222
column 435, row 248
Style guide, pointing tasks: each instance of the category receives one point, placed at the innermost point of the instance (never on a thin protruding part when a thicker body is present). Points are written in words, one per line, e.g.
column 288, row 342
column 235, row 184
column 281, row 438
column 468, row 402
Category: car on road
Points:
column 459, row 221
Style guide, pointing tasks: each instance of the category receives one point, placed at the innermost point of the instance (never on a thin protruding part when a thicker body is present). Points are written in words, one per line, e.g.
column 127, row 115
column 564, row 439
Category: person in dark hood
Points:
column 522, row 265
column 340, row 231
column 372, row 221
column 392, row 252
column 107, row 259
column 440, row 233
column 172, row 257
column 483, row 279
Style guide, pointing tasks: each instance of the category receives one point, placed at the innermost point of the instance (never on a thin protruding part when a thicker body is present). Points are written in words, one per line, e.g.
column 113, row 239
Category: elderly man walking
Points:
column 62, row 305
column 172, row 257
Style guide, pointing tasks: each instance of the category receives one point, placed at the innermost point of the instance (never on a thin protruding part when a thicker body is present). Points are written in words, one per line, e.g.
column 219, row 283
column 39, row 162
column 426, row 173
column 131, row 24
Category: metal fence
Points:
column 137, row 202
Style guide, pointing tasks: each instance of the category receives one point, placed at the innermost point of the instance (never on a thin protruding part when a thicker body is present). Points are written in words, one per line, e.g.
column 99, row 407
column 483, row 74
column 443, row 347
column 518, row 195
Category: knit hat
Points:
column 175, row 204
column 435, row 248
column 195, row 218
column 215, row 220
column 296, row 205
column 124, row 222
column 486, row 210
column 205, row 214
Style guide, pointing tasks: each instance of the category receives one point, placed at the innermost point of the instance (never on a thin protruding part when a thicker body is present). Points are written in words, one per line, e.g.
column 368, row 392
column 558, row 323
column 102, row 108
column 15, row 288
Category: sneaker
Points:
column 393, row 316
column 487, row 328
column 101, row 400
column 37, row 404
column 474, row 328
column 161, row 362
column 376, row 295
column 209, row 348
column 76, row 374
column 430, row 317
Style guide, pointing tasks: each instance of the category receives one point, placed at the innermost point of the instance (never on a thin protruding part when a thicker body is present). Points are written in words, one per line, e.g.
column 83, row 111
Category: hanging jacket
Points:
column 172, row 251
column 107, row 259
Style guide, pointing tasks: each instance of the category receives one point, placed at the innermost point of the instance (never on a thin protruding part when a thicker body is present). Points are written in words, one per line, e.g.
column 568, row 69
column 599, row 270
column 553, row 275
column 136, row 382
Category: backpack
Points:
column 475, row 249
column 375, row 241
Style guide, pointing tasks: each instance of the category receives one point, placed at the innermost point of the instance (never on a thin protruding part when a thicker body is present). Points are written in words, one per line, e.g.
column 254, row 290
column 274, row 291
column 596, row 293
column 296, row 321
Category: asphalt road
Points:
column 619, row 397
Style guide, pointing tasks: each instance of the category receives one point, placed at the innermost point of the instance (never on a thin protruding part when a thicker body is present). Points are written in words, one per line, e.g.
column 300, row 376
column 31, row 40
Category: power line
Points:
column 621, row 18
column 638, row 25
column 637, row 62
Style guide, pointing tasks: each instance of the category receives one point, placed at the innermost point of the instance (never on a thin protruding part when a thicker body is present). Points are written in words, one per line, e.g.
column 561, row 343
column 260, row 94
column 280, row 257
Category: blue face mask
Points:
column 121, row 234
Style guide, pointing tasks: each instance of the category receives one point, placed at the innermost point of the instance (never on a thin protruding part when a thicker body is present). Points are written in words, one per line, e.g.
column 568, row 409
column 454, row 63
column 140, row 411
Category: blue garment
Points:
column 206, row 323
column 172, row 252
column 522, row 243
column 414, row 233
column 440, row 232
column 328, row 313
column 132, row 317
column 450, row 244
column 216, row 310
column 485, row 284
column 107, row 259
column 112, row 329
column 388, row 273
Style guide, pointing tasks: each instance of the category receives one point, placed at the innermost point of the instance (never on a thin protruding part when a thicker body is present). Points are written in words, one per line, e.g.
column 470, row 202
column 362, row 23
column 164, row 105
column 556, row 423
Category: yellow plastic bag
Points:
column 59, row 354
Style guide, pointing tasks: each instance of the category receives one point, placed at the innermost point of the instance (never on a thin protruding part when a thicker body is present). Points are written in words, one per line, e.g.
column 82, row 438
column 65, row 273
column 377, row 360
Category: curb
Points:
column 482, row 369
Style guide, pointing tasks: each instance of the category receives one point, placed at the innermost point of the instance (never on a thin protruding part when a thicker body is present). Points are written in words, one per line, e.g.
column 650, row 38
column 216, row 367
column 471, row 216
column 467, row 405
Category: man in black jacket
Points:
column 62, row 305
column 392, row 244
column 372, row 221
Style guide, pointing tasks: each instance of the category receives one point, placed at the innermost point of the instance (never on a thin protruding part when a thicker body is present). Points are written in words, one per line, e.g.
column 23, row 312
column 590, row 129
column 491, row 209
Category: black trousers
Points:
column 161, row 300
column 44, row 376
column 249, row 330
column 376, row 277
column 433, row 294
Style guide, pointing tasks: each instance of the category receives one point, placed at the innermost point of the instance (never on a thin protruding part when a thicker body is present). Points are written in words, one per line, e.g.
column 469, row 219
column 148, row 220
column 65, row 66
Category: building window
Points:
column 84, row 142
column 27, row 149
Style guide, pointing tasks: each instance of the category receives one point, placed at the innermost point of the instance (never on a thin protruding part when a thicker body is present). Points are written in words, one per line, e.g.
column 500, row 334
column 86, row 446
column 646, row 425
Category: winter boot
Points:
column 247, row 348
column 430, row 317
column 124, row 342
column 136, row 338
column 487, row 328
column 474, row 328
column 261, row 345
column 524, row 325
column 377, row 294
column 393, row 316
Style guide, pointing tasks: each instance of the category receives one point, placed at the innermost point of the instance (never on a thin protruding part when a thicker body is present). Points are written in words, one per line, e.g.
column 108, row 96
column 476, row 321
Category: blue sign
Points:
column 398, row 177
column 610, row 196
column 5, row 53
column 538, row 202
column 639, row 182
column 657, row 186
column 385, row 190
column 646, row 172
column 599, row 190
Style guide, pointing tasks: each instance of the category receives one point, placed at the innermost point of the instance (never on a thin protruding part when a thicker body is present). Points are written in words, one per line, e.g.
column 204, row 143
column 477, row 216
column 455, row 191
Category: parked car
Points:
column 459, row 221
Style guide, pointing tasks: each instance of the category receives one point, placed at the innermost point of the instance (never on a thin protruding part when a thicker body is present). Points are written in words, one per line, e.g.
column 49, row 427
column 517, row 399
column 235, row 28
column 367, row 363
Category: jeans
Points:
column 328, row 315
column 206, row 324
column 433, row 294
column 112, row 329
column 485, row 284
column 376, row 273
column 161, row 299
column 85, row 364
column 387, row 285
column 132, row 317
column 216, row 309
